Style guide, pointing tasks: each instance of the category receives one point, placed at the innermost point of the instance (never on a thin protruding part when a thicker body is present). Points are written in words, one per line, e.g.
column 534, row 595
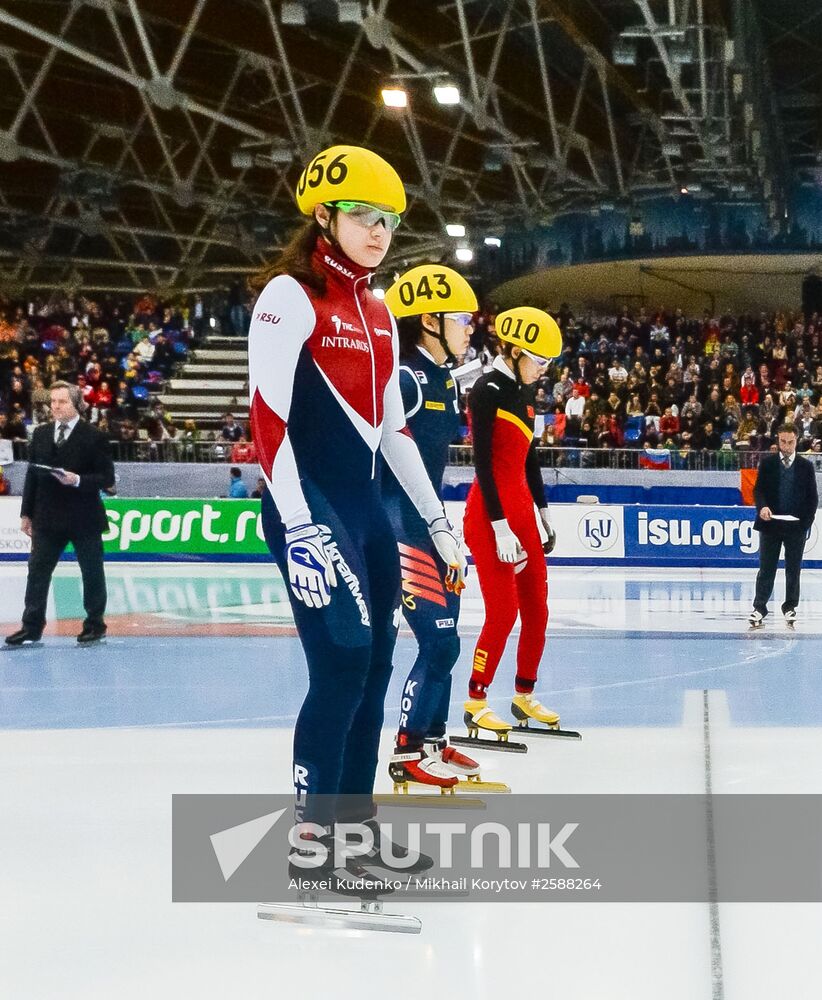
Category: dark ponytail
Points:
column 295, row 259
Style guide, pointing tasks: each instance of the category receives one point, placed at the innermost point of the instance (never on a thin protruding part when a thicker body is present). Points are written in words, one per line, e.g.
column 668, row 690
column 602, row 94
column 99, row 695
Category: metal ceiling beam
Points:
column 185, row 39
column 143, row 36
column 133, row 79
column 149, row 110
column 289, row 76
column 546, row 83
column 576, row 32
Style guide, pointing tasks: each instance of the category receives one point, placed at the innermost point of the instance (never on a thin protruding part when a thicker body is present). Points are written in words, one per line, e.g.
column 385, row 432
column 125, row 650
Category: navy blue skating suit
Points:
column 430, row 401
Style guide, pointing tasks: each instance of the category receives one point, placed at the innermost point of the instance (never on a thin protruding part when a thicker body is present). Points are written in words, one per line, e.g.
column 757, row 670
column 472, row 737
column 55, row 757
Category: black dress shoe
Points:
column 21, row 637
column 91, row 633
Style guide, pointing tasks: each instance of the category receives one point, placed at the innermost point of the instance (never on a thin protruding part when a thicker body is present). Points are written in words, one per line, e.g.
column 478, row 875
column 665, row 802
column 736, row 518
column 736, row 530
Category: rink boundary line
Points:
column 634, row 562
column 717, row 970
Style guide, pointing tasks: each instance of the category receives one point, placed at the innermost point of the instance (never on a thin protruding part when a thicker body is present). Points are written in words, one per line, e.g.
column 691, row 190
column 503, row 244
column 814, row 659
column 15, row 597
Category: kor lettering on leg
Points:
column 407, row 702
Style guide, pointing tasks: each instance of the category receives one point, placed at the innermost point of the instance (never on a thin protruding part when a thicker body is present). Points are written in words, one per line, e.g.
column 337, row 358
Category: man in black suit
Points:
column 785, row 485
column 61, row 506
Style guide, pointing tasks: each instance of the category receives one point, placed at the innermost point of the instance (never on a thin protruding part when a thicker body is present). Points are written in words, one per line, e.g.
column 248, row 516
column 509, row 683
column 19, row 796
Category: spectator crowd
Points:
column 659, row 379
column 120, row 353
column 644, row 378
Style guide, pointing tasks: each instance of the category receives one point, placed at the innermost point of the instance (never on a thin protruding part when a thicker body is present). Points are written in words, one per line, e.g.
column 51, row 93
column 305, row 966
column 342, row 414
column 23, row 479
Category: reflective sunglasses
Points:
column 461, row 319
column 542, row 362
column 367, row 215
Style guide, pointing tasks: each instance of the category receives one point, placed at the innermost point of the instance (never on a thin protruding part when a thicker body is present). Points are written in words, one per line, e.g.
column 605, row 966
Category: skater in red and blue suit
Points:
column 325, row 403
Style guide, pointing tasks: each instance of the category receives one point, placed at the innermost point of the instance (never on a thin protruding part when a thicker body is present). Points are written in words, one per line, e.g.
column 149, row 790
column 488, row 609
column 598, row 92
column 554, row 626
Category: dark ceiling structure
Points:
column 155, row 143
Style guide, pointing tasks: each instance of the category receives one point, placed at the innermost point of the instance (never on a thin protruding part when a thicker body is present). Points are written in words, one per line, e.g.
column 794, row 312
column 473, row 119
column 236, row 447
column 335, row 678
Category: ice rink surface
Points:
column 196, row 690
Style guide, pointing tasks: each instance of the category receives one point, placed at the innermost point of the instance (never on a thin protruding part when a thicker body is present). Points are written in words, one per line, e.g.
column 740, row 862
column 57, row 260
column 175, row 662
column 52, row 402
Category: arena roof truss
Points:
column 155, row 143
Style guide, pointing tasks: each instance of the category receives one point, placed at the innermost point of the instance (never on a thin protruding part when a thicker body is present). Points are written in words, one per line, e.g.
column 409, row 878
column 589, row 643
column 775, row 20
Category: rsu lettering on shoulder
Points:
column 264, row 317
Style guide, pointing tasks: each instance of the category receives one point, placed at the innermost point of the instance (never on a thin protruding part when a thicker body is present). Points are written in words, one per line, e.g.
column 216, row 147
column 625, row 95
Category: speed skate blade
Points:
column 339, row 918
column 416, row 800
column 562, row 734
column 26, row 645
column 472, row 786
column 474, row 741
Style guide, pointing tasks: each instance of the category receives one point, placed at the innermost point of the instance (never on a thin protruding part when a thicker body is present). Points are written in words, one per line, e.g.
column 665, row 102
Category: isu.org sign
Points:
column 598, row 531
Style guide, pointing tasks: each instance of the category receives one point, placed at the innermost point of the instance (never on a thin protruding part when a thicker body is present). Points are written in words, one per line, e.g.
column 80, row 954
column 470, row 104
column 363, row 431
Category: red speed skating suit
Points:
column 507, row 485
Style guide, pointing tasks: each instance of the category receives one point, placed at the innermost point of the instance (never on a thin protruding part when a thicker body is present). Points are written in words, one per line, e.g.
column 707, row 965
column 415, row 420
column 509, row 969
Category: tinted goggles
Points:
column 542, row 362
column 367, row 215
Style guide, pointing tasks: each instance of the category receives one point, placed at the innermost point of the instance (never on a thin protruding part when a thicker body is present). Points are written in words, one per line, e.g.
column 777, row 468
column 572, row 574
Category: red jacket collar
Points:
column 333, row 263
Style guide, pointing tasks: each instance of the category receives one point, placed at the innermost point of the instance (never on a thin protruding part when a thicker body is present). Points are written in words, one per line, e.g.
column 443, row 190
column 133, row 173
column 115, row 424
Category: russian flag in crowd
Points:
column 655, row 458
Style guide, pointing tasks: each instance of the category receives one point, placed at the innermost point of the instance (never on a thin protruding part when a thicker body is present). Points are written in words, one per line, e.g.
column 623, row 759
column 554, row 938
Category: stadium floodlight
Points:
column 447, row 93
column 241, row 159
column 464, row 254
column 624, row 52
column 684, row 189
column 394, row 97
column 349, row 12
column 455, row 229
column 681, row 54
column 293, row 13
column 492, row 241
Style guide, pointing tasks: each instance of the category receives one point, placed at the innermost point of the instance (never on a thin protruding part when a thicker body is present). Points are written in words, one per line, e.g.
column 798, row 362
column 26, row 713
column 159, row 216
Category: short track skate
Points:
column 370, row 916
column 533, row 719
column 479, row 717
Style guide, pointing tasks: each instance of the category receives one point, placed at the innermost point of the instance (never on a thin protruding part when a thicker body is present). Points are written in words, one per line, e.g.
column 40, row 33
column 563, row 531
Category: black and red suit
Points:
column 507, row 485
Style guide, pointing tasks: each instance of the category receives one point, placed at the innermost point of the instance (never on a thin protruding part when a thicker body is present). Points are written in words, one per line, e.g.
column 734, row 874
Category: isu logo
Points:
column 598, row 532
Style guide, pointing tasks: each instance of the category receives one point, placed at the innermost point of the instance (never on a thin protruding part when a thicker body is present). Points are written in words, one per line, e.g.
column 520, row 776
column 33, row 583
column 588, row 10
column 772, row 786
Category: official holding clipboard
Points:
column 69, row 464
column 786, row 500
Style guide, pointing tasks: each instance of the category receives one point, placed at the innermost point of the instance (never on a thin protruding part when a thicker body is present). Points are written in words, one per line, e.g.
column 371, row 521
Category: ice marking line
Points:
column 753, row 657
column 717, row 977
column 750, row 658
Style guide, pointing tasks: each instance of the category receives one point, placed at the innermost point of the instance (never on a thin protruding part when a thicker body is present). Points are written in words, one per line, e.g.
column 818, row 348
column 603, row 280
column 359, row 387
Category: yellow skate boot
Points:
column 526, row 709
column 479, row 716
